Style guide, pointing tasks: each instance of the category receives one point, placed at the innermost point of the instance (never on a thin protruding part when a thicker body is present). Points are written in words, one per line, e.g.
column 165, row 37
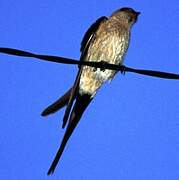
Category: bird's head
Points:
column 126, row 15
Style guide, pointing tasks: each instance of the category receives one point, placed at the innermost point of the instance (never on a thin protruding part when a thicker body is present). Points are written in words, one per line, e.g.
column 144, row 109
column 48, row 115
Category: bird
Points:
column 106, row 41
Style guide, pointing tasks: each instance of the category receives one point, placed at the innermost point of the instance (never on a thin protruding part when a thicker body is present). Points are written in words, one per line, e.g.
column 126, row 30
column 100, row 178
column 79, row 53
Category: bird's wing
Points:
column 69, row 96
column 88, row 37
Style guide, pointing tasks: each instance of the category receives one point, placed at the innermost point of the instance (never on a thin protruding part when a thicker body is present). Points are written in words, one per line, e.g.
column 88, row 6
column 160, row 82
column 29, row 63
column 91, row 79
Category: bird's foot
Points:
column 123, row 70
column 103, row 65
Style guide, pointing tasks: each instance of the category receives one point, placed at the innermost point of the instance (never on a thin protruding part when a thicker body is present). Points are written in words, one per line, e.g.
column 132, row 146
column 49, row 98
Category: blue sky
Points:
column 130, row 130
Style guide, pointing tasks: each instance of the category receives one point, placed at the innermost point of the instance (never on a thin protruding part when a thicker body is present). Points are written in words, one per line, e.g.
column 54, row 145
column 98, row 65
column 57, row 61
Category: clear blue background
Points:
column 131, row 129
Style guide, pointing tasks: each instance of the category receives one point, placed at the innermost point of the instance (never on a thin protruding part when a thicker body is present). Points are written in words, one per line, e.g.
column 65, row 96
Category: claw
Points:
column 123, row 70
column 103, row 64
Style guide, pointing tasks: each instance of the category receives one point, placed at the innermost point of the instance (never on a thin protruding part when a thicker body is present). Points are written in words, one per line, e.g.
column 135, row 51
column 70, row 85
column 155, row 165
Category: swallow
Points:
column 107, row 41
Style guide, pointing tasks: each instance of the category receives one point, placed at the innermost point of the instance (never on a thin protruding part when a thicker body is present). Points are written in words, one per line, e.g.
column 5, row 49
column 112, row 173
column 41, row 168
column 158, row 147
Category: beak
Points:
column 137, row 14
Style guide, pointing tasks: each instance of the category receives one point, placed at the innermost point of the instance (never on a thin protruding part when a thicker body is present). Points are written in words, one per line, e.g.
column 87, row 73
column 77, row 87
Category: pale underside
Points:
column 109, row 46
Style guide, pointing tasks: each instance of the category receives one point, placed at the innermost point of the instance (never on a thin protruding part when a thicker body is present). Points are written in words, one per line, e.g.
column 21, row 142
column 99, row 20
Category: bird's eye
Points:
column 130, row 19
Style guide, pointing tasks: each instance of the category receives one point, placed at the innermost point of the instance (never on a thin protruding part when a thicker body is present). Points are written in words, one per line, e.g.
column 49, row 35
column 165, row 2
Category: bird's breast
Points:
column 109, row 47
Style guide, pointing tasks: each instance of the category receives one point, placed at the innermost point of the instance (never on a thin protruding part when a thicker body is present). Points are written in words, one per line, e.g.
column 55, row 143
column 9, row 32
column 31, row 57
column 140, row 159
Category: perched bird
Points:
column 107, row 40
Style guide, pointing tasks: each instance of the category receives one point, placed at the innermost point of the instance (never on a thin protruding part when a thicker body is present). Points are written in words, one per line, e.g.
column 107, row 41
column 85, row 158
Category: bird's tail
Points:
column 81, row 103
column 58, row 104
